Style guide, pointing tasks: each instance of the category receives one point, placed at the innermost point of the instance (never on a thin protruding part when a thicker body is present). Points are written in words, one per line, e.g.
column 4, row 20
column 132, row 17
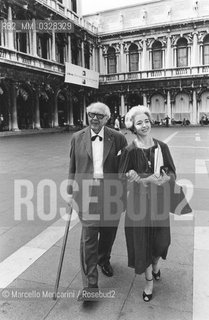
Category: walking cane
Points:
column 62, row 254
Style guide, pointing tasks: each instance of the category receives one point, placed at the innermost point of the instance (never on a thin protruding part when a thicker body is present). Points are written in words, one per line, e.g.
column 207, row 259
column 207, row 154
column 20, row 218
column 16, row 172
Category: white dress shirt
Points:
column 97, row 152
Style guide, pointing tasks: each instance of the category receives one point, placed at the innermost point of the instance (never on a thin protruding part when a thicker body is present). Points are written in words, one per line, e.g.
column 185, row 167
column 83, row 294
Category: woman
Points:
column 117, row 124
column 148, row 167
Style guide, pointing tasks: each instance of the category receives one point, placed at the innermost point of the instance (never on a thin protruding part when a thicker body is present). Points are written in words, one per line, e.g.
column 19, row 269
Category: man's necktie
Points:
column 94, row 138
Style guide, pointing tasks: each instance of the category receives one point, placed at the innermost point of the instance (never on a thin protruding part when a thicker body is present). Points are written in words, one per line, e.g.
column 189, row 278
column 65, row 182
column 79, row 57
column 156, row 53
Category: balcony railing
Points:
column 31, row 62
column 67, row 13
column 154, row 74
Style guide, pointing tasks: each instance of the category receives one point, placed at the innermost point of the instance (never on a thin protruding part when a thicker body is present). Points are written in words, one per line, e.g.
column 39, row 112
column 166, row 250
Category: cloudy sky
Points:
column 91, row 6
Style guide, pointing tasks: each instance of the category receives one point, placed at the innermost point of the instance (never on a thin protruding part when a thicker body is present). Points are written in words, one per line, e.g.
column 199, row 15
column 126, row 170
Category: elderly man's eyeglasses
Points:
column 98, row 115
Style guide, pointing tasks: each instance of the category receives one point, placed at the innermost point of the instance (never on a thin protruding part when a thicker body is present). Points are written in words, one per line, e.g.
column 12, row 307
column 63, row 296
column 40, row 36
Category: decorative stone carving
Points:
column 117, row 47
column 105, row 49
column 126, row 46
column 174, row 39
column 140, row 42
column 189, row 37
column 201, row 36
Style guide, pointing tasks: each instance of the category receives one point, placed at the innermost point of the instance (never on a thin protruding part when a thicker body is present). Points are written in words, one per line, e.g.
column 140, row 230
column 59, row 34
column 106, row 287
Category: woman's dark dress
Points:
column 147, row 225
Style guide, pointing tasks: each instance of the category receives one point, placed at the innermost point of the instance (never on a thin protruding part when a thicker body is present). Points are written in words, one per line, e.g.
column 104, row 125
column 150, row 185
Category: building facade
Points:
column 33, row 94
column 154, row 53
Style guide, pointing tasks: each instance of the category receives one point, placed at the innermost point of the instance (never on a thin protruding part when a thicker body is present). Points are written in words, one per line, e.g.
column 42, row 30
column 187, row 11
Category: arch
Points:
column 204, row 104
column 182, row 42
column 157, row 45
column 206, row 50
column 111, row 60
column 24, row 107
column 181, row 107
column 113, row 102
column 182, row 52
column 134, row 99
column 157, row 107
column 133, row 58
column 206, row 38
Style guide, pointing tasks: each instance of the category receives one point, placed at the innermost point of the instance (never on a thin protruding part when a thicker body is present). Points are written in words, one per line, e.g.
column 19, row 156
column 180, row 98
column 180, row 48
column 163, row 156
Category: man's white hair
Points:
column 99, row 105
column 130, row 116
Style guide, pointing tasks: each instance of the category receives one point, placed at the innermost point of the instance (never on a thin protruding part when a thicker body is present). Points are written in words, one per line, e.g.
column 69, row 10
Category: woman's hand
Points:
column 132, row 176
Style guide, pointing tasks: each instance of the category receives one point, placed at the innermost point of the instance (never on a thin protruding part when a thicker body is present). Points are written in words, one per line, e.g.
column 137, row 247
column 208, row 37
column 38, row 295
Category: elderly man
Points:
column 94, row 160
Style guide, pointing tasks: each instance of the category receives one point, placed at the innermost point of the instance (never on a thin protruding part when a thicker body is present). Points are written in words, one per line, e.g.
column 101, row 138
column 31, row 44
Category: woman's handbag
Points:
column 178, row 202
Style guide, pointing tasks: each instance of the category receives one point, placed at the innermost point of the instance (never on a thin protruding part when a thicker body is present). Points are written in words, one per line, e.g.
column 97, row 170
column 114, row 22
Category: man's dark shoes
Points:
column 107, row 269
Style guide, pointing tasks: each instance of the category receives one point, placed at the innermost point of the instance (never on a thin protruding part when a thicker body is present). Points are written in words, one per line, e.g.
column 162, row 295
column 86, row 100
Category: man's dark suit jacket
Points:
column 81, row 158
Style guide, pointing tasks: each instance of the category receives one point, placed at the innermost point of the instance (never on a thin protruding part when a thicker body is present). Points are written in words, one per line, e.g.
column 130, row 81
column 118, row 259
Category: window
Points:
column 157, row 55
column 21, row 42
column 206, row 50
column 182, row 53
column 133, row 58
column 111, row 60
column 75, row 51
column 86, row 56
column 74, row 5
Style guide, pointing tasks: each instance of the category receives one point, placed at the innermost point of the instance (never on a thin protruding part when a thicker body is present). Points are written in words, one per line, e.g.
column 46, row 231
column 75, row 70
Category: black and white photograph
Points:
column 104, row 159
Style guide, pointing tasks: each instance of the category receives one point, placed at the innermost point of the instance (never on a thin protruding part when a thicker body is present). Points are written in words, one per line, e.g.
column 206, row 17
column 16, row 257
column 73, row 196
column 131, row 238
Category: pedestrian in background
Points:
column 167, row 121
column 148, row 166
column 117, row 124
column 94, row 157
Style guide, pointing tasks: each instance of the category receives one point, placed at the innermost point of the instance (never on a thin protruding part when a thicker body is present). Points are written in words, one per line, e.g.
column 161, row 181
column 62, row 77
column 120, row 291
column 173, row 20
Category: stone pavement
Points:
column 172, row 296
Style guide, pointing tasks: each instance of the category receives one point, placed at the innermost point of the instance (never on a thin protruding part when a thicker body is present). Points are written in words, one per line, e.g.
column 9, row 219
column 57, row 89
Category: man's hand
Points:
column 70, row 200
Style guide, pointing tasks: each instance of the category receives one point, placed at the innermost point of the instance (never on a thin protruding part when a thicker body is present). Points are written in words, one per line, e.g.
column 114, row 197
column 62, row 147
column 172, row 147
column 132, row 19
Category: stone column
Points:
column 55, row 117
column 169, row 104
column 34, row 39
column 168, row 53
column 37, row 109
column 198, row 113
column 14, row 125
column 144, row 56
column 84, row 109
column 194, row 108
column 101, row 60
column 70, row 108
column 195, row 50
column 53, row 55
column 69, row 52
column 93, row 58
column 10, row 33
column 122, row 104
column 122, row 64
column 145, row 99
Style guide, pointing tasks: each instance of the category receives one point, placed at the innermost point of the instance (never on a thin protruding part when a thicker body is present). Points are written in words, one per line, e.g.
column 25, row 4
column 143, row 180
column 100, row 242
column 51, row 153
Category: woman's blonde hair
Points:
column 131, row 114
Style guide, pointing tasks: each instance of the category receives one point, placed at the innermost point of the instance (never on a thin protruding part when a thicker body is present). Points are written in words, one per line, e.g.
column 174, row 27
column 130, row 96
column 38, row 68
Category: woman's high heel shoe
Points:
column 147, row 297
column 156, row 275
